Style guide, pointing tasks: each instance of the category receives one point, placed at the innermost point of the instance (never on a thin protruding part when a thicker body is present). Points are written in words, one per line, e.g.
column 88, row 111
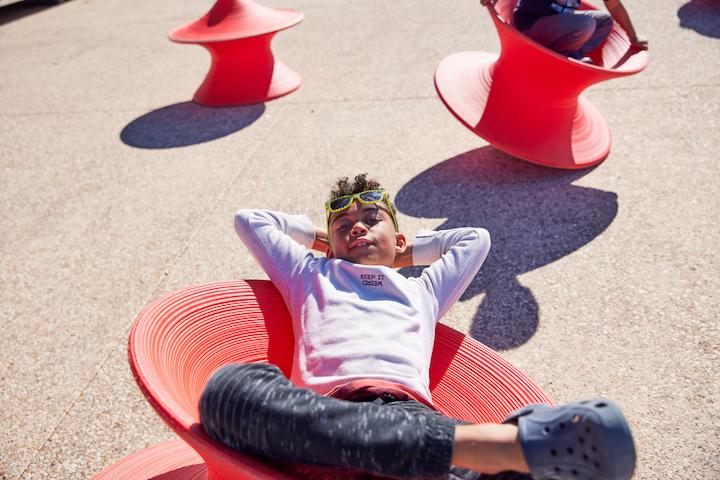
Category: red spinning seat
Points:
column 526, row 102
column 179, row 340
column 237, row 33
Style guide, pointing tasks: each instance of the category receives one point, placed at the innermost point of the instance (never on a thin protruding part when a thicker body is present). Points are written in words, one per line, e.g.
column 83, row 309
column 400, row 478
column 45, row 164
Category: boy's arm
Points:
column 454, row 256
column 621, row 16
column 279, row 242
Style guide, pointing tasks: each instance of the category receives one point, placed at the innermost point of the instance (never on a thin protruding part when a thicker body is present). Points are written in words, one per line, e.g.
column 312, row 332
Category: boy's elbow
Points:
column 242, row 220
column 483, row 237
column 482, row 242
column 242, row 215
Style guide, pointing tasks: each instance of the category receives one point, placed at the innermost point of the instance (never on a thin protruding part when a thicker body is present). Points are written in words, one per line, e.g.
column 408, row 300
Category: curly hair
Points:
column 344, row 186
column 360, row 183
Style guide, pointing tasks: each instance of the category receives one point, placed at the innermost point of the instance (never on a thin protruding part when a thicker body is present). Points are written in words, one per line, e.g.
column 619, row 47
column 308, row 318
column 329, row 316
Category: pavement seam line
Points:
column 165, row 273
column 222, row 195
column 65, row 413
column 360, row 100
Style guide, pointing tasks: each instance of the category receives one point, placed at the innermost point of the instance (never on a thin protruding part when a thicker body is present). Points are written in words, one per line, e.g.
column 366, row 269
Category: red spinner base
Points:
column 237, row 33
column 525, row 100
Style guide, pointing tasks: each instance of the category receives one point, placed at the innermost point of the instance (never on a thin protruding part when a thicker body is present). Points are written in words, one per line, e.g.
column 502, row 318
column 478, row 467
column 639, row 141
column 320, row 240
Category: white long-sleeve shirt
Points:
column 359, row 322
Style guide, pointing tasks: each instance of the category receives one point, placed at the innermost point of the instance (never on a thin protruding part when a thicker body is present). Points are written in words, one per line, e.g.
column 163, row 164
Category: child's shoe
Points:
column 588, row 440
column 587, row 60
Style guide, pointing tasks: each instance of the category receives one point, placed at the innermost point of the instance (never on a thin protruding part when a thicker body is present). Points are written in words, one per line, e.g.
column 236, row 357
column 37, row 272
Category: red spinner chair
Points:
column 237, row 33
column 526, row 101
column 179, row 340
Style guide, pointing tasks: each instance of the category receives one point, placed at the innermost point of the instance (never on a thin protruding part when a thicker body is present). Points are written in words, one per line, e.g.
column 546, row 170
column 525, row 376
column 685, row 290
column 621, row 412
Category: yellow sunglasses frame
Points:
column 356, row 196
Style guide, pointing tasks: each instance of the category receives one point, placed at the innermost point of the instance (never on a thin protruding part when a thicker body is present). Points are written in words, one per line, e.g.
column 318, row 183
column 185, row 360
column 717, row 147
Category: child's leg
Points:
column 254, row 408
column 564, row 33
column 603, row 25
column 488, row 448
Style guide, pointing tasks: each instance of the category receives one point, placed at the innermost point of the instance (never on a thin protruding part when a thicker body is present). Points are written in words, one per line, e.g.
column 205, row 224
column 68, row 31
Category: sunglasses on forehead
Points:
column 368, row 196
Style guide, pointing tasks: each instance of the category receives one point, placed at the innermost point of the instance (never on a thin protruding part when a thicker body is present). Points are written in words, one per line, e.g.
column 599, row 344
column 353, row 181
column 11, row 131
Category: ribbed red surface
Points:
column 173, row 460
column 470, row 381
column 179, row 340
column 235, row 19
column 525, row 101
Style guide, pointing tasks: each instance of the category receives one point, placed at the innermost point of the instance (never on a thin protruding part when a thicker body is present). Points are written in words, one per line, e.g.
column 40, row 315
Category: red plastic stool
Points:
column 237, row 33
column 178, row 341
column 525, row 100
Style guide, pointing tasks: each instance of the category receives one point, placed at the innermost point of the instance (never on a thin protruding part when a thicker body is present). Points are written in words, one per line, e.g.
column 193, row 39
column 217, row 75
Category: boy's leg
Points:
column 254, row 408
column 564, row 33
column 458, row 473
column 587, row 439
column 603, row 25
column 455, row 473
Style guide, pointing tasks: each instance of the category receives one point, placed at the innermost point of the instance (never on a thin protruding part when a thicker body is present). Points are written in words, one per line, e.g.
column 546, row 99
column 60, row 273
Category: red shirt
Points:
column 359, row 390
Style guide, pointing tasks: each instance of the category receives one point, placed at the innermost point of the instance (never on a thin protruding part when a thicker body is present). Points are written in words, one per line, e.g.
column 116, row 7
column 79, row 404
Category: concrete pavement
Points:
column 116, row 190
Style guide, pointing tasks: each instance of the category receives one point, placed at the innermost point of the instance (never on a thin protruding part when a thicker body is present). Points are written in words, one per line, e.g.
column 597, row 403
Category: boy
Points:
column 559, row 26
column 363, row 341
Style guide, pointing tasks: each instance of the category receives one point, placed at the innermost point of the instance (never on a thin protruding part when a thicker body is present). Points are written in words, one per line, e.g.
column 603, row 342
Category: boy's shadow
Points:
column 188, row 123
column 703, row 16
column 534, row 215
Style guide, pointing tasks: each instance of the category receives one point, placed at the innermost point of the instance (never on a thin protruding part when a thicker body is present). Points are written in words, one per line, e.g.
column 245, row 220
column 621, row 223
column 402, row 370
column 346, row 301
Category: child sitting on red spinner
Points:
column 364, row 334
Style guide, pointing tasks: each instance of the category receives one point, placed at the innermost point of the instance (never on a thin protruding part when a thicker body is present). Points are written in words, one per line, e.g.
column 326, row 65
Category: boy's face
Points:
column 364, row 233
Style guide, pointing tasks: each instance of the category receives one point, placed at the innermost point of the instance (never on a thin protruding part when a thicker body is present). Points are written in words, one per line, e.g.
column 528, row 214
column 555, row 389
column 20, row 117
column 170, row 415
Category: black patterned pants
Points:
column 253, row 408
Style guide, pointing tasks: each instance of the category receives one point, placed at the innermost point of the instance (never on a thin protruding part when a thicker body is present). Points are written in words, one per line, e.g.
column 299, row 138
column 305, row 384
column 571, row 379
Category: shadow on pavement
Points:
column 535, row 216
column 703, row 16
column 186, row 124
column 16, row 11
